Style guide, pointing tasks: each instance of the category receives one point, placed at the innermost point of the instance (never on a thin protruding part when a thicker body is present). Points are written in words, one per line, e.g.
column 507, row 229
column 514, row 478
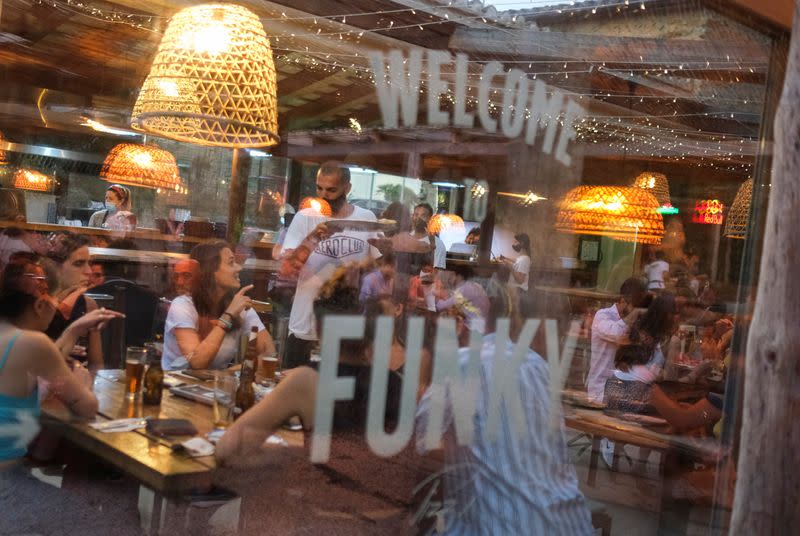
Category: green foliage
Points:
column 397, row 192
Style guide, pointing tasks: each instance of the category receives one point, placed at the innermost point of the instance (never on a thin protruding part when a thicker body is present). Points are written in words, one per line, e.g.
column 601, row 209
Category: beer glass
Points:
column 224, row 399
column 134, row 370
column 268, row 366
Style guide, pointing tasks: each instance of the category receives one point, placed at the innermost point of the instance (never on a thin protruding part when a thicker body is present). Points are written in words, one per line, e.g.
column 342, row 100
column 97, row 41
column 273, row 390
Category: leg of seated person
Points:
column 295, row 395
column 297, row 353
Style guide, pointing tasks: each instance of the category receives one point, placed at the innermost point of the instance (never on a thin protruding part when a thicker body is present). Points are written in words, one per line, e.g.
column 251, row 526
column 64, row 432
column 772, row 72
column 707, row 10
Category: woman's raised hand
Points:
column 240, row 301
column 94, row 320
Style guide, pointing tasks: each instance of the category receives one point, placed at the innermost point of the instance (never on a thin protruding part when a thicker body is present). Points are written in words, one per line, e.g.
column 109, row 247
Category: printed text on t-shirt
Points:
column 338, row 247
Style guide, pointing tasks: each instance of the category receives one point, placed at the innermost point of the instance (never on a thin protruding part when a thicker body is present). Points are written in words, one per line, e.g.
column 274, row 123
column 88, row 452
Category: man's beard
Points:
column 338, row 203
column 421, row 226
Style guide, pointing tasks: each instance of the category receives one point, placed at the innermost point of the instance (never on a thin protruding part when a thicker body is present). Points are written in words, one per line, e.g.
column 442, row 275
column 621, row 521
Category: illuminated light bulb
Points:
column 143, row 159
column 318, row 205
column 211, row 37
column 168, row 88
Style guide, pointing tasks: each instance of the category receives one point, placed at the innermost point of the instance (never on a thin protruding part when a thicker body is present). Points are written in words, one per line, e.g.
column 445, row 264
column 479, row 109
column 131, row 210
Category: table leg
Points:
column 618, row 451
column 160, row 515
column 152, row 510
column 593, row 460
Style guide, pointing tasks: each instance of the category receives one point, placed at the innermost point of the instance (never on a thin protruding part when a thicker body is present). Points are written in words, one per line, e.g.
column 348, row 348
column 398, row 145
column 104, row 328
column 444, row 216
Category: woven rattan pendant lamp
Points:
column 212, row 81
column 141, row 165
column 739, row 213
column 3, row 157
column 623, row 213
column 656, row 184
column 441, row 222
column 29, row 179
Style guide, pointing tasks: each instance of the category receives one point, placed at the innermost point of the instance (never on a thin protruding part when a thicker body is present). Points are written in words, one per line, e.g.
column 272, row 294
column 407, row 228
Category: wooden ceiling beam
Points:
column 557, row 46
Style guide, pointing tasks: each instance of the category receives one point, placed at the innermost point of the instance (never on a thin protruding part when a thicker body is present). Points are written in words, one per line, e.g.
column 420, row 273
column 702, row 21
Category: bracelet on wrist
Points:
column 226, row 325
column 226, row 313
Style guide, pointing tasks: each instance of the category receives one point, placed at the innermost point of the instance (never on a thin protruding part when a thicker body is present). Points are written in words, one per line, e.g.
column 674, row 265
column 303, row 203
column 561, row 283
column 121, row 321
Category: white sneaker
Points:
column 607, row 451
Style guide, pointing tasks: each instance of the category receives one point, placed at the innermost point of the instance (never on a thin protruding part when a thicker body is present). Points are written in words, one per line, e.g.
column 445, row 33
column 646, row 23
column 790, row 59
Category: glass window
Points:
column 510, row 250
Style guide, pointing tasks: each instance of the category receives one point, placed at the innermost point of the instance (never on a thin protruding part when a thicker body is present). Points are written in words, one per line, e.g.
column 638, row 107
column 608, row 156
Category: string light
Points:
column 487, row 14
column 643, row 140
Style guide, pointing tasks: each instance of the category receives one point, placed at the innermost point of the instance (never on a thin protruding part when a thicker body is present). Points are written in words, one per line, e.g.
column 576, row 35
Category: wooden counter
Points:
column 151, row 239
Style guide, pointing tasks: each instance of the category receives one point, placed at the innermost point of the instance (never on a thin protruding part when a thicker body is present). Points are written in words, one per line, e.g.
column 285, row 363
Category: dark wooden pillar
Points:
column 240, row 171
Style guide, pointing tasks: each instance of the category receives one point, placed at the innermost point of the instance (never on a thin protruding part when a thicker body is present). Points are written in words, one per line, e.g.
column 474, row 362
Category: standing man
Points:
column 419, row 230
column 609, row 330
column 312, row 252
column 520, row 272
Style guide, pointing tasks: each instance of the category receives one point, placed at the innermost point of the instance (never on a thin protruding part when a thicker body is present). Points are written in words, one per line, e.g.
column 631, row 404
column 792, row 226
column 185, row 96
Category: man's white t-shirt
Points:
column 655, row 274
column 439, row 253
column 523, row 265
column 183, row 314
column 340, row 248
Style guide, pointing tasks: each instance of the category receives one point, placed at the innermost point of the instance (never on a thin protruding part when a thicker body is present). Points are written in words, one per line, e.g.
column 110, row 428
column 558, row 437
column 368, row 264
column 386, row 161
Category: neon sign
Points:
column 708, row 212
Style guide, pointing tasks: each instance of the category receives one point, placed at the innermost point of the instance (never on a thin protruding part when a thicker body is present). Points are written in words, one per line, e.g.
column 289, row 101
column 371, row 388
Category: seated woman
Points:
column 629, row 388
column 26, row 354
column 640, row 363
column 69, row 258
column 203, row 329
column 296, row 394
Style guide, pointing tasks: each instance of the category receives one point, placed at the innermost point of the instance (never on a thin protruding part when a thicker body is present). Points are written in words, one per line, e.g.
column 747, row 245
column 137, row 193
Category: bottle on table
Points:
column 153, row 384
column 245, row 394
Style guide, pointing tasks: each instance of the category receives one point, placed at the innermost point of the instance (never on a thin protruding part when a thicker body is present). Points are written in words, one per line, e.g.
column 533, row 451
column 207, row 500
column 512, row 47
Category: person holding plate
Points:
column 313, row 250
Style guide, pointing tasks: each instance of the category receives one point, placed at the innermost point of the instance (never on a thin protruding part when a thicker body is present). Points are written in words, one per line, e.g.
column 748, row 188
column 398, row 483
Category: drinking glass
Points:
column 134, row 370
column 268, row 366
column 224, row 399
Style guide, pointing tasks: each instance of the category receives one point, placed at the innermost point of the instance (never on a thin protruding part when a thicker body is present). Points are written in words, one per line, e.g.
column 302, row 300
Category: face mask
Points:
column 111, row 207
column 337, row 203
column 517, row 248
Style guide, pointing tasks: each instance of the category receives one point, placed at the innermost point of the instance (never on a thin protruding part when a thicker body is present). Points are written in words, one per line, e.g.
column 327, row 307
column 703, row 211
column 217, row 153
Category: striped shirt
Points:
column 519, row 484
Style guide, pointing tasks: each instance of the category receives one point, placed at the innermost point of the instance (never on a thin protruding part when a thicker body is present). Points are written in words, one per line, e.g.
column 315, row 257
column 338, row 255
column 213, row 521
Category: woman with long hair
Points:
column 639, row 364
column 657, row 324
column 203, row 329
column 26, row 354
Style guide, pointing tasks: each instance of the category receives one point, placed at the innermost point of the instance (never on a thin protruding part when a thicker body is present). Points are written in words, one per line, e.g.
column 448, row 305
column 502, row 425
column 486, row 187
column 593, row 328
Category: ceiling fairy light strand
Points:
column 145, row 21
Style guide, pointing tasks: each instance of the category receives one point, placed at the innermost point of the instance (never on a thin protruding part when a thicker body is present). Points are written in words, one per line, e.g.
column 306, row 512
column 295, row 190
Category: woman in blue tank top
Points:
column 27, row 354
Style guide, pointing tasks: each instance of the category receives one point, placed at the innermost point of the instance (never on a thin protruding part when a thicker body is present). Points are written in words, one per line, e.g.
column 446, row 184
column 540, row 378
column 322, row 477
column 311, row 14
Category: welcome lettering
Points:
column 528, row 106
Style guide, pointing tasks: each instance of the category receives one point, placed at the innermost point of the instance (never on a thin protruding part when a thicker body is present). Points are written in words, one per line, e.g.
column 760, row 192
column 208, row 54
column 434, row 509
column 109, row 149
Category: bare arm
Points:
column 200, row 353
column 680, row 417
column 90, row 324
column 264, row 343
column 294, row 259
column 74, row 388
column 295, row 395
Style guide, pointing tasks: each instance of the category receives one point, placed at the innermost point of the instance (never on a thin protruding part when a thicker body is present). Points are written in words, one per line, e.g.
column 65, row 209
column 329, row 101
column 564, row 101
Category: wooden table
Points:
column 598, row 425
column 164, row 476
column 580, row 292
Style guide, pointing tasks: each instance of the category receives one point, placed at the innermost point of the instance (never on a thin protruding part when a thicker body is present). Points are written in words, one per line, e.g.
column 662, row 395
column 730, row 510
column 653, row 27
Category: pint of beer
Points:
column 269, row 365
column 134, row 370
